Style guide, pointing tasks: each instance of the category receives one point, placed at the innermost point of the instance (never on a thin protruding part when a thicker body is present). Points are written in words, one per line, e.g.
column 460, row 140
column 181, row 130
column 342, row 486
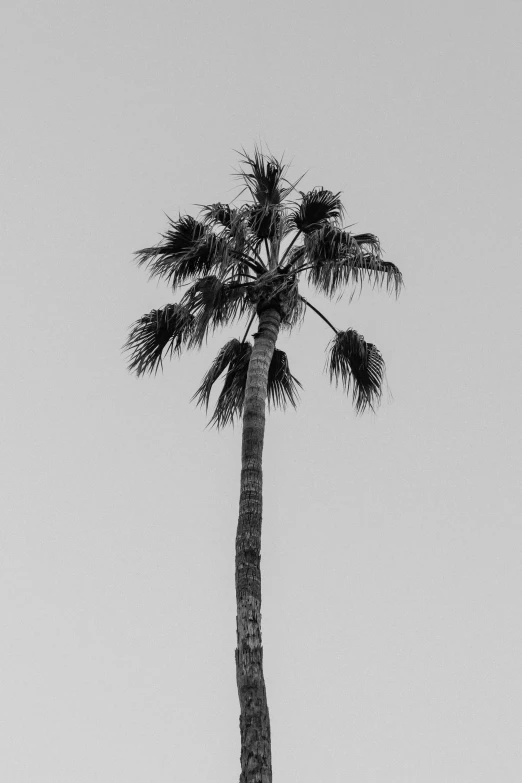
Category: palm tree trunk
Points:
column 254, row 722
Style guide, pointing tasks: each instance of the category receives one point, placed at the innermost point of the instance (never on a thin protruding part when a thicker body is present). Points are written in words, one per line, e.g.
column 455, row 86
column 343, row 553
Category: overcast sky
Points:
column 392, row 544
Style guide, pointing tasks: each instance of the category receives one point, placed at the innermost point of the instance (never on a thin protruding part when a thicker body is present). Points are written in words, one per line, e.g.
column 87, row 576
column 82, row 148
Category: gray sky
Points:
column 392, row 545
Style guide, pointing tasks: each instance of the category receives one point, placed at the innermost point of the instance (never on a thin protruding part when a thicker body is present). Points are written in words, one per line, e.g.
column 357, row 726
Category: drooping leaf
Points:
column 282, row 386
column 329, row 243
column 232, row 355
column 368, row 243
column 188, row 249
column 232, row 360
column 214, row 303
column 359, row 366
column 159, row 333
column 296, row 312
column 337, row 258
column 317, row 208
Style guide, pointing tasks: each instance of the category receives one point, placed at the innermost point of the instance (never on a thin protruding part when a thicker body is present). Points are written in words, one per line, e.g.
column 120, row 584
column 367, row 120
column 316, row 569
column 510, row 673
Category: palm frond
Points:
column 232, row 360
column 264, row 178
column 317, row 208
column 359, row 366
column 336, row 258
column 214, row 303
column 368, row 243
column 160, row 332
column 249, row 226
column 282, row 386
column 384, row 271
column 188, row 249
column 218, row 215
column 265, row 222
column 292, row 257
column 295, row 313
column 235, row 225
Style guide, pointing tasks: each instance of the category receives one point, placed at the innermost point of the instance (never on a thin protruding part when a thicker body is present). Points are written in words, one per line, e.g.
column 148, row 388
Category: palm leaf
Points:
column 282, row 386
column 359, row 366
column 337, row 258
column 158, row 333
column 218, row 215
column 214, row 303
column 381, row 271
column 293, row 257
column 188, row 249
column 317, row 208
column 294, row 316
column 265, row 222
column 368, row 243
column 233, row 360
column 237, row 226
column 265, row 178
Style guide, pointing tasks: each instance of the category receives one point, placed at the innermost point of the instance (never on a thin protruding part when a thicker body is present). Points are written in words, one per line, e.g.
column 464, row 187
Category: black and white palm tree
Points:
column 241, row 263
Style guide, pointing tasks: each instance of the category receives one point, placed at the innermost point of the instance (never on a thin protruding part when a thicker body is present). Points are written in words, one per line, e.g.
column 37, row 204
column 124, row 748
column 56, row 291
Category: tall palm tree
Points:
column 242, row 262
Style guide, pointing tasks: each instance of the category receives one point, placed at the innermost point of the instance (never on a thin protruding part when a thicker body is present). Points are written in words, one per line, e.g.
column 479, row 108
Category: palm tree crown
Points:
column 238, row 260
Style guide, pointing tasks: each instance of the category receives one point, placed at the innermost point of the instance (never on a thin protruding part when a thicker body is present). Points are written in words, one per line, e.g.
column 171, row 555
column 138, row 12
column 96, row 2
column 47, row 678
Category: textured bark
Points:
column 254, row 722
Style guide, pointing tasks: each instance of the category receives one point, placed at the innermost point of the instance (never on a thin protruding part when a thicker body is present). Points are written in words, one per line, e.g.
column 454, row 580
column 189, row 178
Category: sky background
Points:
column 392, row 544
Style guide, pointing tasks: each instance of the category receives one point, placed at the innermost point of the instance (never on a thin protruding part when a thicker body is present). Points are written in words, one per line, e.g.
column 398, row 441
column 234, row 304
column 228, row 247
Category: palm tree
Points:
column 242, row 262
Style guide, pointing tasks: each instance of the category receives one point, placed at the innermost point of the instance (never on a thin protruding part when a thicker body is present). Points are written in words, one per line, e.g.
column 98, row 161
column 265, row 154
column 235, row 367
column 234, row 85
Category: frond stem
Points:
column 311, row 266
column 307, row 303
column 248, row 327
column 247, row 260
column 290, row 246
column 256, row 254
column 238, row 284
column 356, row 265
column 243, row 274
column 267, row 252
column 303, row 268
